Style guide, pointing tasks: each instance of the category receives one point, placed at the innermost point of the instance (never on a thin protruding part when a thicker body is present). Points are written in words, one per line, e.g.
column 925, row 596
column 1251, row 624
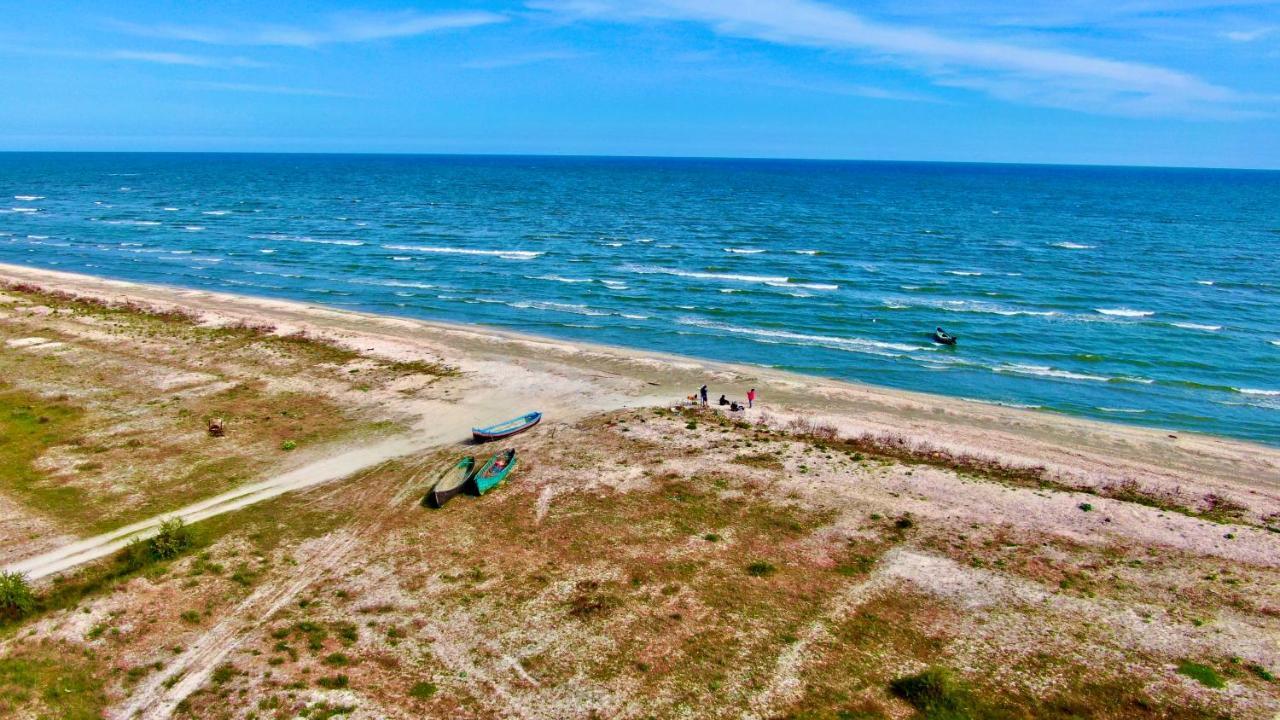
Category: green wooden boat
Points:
column 495, row 470
column 451, row 482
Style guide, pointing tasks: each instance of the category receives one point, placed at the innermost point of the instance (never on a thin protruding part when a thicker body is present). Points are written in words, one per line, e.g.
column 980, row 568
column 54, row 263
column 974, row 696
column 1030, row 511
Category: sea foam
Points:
column 1124, row 312
column 859, row 345
column 504, row 254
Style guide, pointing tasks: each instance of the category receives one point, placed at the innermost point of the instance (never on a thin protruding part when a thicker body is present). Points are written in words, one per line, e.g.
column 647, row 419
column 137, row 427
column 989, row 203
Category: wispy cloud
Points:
column 523, row 59
column 172, row 58
column 340, row 28
column 273, row 89
column 143, row 56
column 1245, row 36
column 1034, row 75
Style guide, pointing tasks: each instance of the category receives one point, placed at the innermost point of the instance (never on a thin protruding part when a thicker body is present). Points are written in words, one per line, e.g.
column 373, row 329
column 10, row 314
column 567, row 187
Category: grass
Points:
column 423, row 690
column 1202, row 674
column 936, row 695
column 29, row 426
column 51, row 680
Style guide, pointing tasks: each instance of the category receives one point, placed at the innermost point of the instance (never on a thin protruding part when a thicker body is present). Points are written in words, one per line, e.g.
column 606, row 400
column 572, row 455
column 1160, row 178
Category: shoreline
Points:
column 596, row 377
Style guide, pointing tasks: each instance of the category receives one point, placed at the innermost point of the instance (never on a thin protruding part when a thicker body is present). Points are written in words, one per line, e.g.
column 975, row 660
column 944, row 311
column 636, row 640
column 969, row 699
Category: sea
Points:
column 1136, row 295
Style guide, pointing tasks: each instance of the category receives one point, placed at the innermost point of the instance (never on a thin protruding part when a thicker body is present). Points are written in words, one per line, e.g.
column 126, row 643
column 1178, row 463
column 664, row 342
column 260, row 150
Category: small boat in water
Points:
column 942, row 337
column 495, row 470
column 506, row 429
column 451, row 483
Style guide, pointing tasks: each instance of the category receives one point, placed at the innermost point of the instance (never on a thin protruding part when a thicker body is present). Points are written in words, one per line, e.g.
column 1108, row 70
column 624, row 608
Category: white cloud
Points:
column 273, row 89
column 172, row 58
column 342, row 28
column 523, row 59
column 1035, row 75
column 1245, row 36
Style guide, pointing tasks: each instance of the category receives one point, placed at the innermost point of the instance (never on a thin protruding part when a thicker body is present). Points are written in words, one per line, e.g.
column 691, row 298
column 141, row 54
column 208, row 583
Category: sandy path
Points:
column 318, row 472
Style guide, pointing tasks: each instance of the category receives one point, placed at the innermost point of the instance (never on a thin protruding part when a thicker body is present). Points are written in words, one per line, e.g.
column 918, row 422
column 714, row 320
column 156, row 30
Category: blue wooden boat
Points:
column 495, row 470
column 506, row 429
column 451, row 482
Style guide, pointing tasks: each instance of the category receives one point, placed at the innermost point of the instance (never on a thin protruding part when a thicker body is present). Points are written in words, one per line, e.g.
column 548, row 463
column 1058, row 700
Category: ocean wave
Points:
column 1253, row 391
column 24, row 210
column 170, row 209
column 1046, row 371
column 1129, row 411
column 1124, row 312
column 138, row 223
column 858, row 345
column 571, row 308
column 1274, row 342
column 28, row 198
column 558, row 278
column 267, row 251
column 806, row 252
column 504, row 254
column 730, row 291
column 1073, row 246
column 964, row 273
column 614, row 284
column 771, row 280
column 1197, row 326
column 1204, row 282
column 193, row 228
column 612, row 244
column 633, row 317
column 37, row 237
column 216, row 213
column 314, row 241
column 1020, row 406
column 890, row 305
column 744, row 251
column 982, row 307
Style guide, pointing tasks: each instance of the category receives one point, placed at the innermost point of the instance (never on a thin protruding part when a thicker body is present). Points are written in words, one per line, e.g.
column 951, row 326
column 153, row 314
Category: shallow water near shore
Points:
column 1144, row 296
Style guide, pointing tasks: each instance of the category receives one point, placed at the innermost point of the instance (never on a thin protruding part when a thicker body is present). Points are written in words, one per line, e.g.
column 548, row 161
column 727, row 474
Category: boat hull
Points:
column 506, row 429
column 452, row 482
column 489, row 476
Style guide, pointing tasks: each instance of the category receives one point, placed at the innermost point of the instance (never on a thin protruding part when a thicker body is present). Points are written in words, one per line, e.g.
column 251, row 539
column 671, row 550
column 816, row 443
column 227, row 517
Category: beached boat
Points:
column 495, row 470
column 450, row 483
column 506, row 429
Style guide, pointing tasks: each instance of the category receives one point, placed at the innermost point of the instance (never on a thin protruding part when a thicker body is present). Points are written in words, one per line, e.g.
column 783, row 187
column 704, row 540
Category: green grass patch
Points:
column 423, row 690
column 1202, row 674
column 50, row 681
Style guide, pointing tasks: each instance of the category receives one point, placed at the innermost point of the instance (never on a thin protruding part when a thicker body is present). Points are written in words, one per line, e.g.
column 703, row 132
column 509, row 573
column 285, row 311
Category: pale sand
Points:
column 568, row 380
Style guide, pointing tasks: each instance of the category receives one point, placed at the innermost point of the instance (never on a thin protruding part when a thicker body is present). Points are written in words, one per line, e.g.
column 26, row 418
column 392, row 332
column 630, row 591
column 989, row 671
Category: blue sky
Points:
column 1164, row 82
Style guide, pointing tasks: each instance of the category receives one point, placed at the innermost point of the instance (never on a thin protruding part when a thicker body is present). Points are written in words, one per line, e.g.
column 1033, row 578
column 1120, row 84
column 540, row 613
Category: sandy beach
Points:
column 1152, row 512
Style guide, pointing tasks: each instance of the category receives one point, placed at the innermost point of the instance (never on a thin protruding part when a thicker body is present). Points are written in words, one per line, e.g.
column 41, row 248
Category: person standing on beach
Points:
column 751, row 397
column 703, row 392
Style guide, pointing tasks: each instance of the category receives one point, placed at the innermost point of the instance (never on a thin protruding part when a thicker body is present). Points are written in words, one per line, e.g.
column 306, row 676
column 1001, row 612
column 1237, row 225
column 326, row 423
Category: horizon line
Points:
column 581, row 156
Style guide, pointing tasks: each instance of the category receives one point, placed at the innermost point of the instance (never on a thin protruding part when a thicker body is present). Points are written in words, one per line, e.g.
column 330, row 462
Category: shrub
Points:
column 903, row 523
column 934, row 694
column 333, row 682
column 1085, row 507
column 761, row 568
column 288, row 445
column 173, row 538
column 422, row 690
column 16, row 598
column 1203, row 674
column 337, row 659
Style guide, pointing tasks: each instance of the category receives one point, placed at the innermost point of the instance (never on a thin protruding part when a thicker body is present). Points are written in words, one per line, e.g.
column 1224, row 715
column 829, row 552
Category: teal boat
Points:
column 495, row 470
column 450, row 483
column 506, row 429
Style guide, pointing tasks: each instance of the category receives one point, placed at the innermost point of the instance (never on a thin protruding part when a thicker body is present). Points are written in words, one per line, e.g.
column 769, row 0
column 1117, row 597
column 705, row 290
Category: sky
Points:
column 1126, row 82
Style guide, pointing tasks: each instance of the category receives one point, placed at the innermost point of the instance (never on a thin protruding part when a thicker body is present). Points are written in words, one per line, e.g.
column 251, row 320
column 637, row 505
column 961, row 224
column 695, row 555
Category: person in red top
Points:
column 751, row 397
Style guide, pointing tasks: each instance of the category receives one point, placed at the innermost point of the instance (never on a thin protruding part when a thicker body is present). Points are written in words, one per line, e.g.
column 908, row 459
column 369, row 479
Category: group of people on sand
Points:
column 734, row 405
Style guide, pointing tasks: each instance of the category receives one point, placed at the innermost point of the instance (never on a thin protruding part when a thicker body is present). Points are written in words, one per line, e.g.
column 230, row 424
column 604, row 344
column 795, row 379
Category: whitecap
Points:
column 1072, row 246
column 614, row 284
column 1253, row 391
column 1204, row 282
column 964, row 273
column 401, row 258
column 1274, row 342
column 890, row 305
column 772, row 280
column 180, row 252
column 644, row 240
column 1046, row 371
column 744, row 251
column 171, row 209
column 313, row 241
column 558, row 278
column 1124, row 312
column 28, row 198
column 37, row 237
column 193, row 228
column 634, row 317
column 24, row 210
column 613, row 244
column 1132, row 411
column 729, row 291
column 859, row 345
column 266, row 251
column 504, row 254
column 215, row 212
column 805, row 252
column 558, row 307
column 1197, row 326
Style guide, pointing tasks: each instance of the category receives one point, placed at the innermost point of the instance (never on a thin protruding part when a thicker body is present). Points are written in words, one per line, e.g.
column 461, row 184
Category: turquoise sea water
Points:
column 1146, row 296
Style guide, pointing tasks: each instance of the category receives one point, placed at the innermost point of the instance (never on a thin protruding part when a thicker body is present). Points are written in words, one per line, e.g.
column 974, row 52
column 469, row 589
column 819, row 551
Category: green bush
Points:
column 334, row 682
column 16, row 599
column 935, row 695
column 422, row 690
column 761, row 568
column 288, row 445
column 1204, row 674
column 172, row 539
